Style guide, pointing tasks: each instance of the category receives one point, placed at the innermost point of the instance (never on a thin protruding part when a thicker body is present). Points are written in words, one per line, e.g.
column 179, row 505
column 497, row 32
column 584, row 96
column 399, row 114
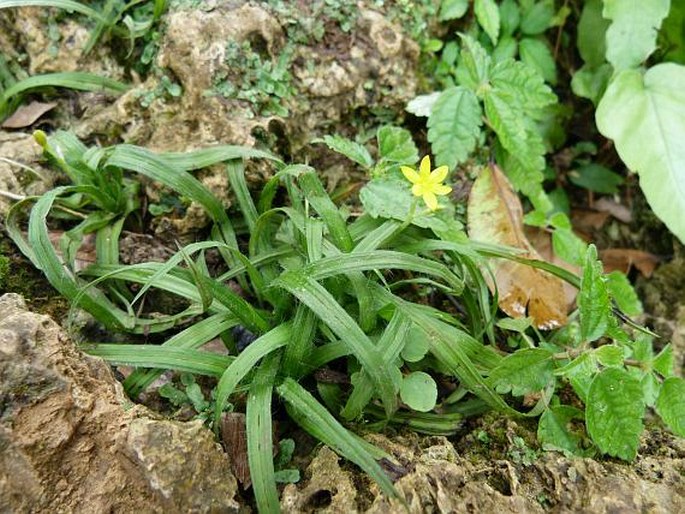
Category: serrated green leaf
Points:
column 623, row 294
column 631, row 37
column 515, row 324
column 452, row 9
column 614, row 411
column 593, row 299
column 591, row 83
column 554, row 430
column 536, row 54
column 592, row 27
column 538, row 18
column 525, row 86
column 671, row 404
column 487, row 15
column 644, row 115
column 609, row 355
column 526, row 371
column 507, row 48
column 663, row 363
column 396, row 145
column 650, row 388
column 474, row 65
column 350, row 149
column 454, row 126
column 419, row 391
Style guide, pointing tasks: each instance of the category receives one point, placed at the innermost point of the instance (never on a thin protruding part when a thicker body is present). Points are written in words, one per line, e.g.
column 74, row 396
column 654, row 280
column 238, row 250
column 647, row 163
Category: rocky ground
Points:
column 71, row 441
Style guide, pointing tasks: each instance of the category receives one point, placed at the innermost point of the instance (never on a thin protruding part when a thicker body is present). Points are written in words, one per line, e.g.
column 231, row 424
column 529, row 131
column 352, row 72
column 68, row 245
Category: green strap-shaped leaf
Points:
column 454, row 125
column 631, row 37
column 259, row 430
column 322, row 303
column 593, row 299
column 153, row 356
column 614, row 411
column 644, row 116
column 315, row 419
column 671, row 404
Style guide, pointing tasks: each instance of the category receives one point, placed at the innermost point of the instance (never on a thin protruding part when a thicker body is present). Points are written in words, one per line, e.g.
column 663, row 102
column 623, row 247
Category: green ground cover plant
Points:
column 390, row 292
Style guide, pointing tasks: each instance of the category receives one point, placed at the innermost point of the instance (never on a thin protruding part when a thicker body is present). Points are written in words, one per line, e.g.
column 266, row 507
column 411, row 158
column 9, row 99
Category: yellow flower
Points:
column 427, row 183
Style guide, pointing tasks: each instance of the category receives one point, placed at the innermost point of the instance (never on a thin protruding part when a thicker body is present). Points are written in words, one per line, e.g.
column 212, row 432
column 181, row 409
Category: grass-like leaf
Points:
column 153, row 356
column 316, row 420
column 260, row 436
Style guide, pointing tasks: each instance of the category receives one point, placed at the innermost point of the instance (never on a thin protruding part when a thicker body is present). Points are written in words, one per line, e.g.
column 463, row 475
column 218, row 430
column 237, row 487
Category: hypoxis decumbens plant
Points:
column 359, row 294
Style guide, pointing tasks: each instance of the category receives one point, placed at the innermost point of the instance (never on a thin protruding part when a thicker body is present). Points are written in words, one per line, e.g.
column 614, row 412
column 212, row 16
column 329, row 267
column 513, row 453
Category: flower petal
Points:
column 439, row 174
column 417, row 189
column 431, row 200
column 410, row 174
column 425, row 167
column 441, row 190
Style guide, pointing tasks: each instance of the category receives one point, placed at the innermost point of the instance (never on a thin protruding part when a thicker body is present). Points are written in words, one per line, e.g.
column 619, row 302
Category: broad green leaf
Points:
column 597, row 178
column 592, row 27
column 609, row 355
column 650, row 388
column 593, row 299
column 396, row 145
column 507, row 48
column 474, row 65
column 568, row 246
column 536, row 54
column 590, row 82
column 416, row 347
column 671, row 404
column 631, row 37
column 555, row 433
column 526, row 371
column 419, row 391
column 613, row 412
column 523, row 84
column 622, row 292
column 454, row 126
column 663, row 363
column 487, row 15
column 510, row 16
column 672, row 35
column 644, row 115
column 519, row 325
column 580, row 373
column 422, row 105
column 452, row 9
column 350, row 149
column 538, row 18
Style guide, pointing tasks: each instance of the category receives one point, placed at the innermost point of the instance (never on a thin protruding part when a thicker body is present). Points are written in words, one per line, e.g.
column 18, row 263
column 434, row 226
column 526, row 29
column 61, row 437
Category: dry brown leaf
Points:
column 617, row 210
column 495, row 216
column 234, row 436
column 623, row 259
column 542, row 242
column 587, row 220
column 27, row 115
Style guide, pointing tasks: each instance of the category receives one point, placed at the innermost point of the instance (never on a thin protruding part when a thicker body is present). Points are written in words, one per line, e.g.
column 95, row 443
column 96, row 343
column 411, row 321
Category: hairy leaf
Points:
column 614, row 411
column 593, row 300
column 453, row 9
column 526, row 371
column 631, row 37
column 396, row 145
column 454, row 125
column 474, row 65
column 671, row 404
column 350, row 149
column 538, row 17
column 644, row 115
column 537, row 55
